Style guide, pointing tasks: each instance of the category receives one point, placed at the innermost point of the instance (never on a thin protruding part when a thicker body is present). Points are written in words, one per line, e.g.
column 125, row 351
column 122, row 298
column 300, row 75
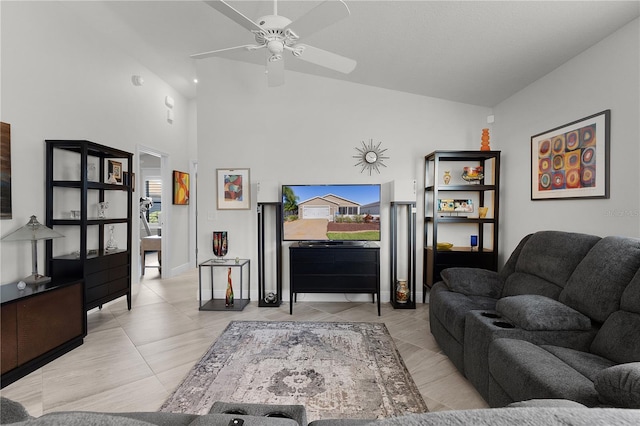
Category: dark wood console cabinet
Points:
column 334, row 269
column 39, row 324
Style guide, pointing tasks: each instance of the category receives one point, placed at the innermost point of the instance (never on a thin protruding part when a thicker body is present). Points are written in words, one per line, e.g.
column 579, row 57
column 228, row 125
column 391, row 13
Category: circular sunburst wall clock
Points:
column 370, row 157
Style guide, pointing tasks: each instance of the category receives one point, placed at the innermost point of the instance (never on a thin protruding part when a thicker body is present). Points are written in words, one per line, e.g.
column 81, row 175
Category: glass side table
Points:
column 218, row 304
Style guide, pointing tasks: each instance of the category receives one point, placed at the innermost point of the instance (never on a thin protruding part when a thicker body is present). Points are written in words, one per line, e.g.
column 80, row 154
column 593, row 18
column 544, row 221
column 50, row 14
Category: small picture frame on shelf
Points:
column 115, row 172
column 129, row 179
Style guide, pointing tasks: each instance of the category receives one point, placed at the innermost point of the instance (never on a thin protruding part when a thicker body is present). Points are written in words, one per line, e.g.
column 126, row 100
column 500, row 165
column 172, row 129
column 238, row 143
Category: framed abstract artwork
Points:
column 180, row 188
column 234, row 189
column 572, row 161
column 5, row 171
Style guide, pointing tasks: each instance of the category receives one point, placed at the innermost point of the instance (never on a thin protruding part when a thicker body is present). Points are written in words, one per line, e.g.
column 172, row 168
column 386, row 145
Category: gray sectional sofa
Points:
column 560, row 320
column 539, row 412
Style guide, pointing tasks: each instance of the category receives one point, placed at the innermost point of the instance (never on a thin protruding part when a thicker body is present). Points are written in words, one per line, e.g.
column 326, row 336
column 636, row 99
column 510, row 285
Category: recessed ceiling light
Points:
column 195, row 80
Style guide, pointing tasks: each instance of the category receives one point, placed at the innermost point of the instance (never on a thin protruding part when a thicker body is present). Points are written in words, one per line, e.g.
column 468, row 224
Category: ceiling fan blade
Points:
column 323, row 58
column 230, row 12
column 211, row 53
column 275, row 73
column 321, row 16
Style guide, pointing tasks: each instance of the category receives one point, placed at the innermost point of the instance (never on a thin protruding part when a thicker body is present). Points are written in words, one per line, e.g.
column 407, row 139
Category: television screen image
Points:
column 331, row 213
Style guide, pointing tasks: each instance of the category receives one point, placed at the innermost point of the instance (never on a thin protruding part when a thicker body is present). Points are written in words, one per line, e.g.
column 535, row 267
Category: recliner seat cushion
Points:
column 527, row 371
column 599, row 280
column 534, row 312
column 585, row 363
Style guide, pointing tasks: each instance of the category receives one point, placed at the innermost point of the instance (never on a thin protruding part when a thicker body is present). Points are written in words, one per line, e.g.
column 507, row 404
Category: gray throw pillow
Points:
column 473, row 281
column 619, row 385
column 534, row 312
column 618, row 339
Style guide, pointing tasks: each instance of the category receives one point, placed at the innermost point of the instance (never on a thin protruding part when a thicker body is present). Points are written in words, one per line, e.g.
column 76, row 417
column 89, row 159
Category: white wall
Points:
column 606, row 76
column 306, row 132
column 61, row 80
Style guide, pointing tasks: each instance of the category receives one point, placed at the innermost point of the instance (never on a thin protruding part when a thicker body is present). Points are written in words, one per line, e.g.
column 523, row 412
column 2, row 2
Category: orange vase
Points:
column 484, row 145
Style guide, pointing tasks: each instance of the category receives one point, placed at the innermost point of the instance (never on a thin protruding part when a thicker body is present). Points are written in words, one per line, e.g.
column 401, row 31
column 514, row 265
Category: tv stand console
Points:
column 334, row 269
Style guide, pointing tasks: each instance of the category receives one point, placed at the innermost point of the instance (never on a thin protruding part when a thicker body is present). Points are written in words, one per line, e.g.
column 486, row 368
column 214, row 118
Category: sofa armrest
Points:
column 473, row 281
column 535, row 313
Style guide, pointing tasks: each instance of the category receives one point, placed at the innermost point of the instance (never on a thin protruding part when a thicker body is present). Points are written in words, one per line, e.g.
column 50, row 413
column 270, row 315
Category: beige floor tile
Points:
column 125, row 398
column 166, row 354
column 28, row 391
column 107, row 360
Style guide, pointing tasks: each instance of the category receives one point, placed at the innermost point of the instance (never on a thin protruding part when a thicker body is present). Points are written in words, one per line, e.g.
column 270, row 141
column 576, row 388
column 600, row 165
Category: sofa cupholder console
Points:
column 503, row 324
column 491, row 315
column 293, row 412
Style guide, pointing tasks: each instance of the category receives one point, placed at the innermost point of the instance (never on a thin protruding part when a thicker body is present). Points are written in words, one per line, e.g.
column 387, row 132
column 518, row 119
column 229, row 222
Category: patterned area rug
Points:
column 336, row 370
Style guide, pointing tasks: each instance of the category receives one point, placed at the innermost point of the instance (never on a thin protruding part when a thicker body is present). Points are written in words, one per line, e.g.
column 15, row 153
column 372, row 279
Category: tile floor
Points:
column 133, row 360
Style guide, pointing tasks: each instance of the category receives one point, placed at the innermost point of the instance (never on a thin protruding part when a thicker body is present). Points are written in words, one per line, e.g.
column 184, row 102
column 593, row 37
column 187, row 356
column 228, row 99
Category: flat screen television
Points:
column 331, row 214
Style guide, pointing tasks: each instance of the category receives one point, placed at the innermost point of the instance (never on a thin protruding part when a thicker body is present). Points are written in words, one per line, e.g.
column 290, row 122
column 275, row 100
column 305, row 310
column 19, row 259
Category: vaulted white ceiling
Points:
column 476, row 52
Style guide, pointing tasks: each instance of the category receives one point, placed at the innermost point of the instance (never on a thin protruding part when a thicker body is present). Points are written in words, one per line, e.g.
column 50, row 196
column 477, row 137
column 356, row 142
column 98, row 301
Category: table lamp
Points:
column 33, row 231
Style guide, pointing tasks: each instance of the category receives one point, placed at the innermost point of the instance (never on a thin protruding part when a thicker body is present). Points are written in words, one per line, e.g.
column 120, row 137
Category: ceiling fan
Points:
column 276, row 34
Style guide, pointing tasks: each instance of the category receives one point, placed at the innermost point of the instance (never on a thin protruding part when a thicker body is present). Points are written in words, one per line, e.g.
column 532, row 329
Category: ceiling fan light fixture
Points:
column 275, row 47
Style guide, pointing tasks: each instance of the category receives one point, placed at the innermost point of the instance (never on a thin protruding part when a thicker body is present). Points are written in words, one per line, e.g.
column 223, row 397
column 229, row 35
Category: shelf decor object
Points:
column 484, row 145
column 472, row 174
column 33, row 231
column 234, row 189
column 220, row 245
column 115, row 170
column 228, row 296
column 402, row 292
column 572, row 161
column 479, row 184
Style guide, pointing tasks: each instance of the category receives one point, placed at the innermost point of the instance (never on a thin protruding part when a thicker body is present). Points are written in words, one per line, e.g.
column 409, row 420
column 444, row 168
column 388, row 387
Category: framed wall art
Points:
column 5, row 171
column 234, row 189
column 572, row 161
column 180, row 188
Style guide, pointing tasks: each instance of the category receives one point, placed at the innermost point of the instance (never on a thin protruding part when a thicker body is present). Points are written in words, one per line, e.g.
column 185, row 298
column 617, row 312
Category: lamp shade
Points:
column 32, row 231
